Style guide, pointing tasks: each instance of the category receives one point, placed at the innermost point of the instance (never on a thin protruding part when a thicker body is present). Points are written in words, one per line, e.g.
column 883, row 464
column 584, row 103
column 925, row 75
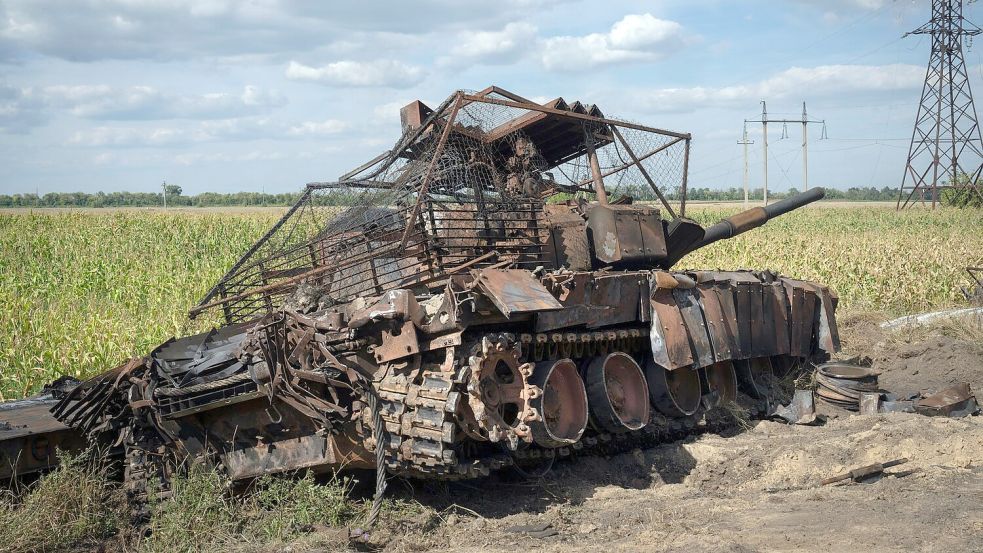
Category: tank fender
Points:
column 515, row 292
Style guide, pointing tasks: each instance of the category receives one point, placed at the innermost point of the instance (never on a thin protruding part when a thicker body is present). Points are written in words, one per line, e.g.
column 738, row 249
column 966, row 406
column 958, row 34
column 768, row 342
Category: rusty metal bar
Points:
column 364, row 166
column 638, row 163
column 277, row 285
column 430, row 168
column 573, row 115
column 624, row 166
column 242, row 260
column 682, row 194
column 595, row 168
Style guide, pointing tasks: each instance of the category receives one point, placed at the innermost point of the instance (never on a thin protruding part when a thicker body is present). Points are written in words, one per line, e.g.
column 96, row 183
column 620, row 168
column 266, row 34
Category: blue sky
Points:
column 217, row 95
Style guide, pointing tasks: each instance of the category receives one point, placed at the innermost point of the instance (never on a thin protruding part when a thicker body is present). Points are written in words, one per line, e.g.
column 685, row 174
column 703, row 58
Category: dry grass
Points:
column 203, row 516
column 74, row 507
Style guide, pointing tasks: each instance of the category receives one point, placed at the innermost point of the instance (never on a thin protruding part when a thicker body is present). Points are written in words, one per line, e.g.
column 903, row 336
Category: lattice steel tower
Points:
column 946, row 150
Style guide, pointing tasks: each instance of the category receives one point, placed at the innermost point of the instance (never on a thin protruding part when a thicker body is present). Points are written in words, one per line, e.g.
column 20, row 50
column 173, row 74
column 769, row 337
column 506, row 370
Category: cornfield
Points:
column 82, row 291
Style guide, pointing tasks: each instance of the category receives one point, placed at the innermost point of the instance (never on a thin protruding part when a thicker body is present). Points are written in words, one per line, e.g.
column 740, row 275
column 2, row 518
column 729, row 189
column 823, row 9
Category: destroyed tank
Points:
column 490, row 292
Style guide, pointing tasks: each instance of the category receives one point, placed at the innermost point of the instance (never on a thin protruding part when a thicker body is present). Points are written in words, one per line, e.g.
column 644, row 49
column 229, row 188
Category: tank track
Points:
column 146, row 470
column 422, row 409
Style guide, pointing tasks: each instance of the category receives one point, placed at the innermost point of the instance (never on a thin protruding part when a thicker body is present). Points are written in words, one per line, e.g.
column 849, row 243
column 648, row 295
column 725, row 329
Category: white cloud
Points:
column 148, row 103
column 194, row 29
column 228, row 157
column 514, row 41
column 634, row 38
column 128, row 136
column 349, row 73
column 317, row 128
column 388, row 113
column 846, row 81
column 224, row 130
column 20, row 109
column 847, row 4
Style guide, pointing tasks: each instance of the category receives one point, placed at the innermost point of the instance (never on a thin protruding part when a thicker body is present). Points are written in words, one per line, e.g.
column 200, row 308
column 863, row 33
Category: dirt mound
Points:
column 933, row 363
column 916, row 359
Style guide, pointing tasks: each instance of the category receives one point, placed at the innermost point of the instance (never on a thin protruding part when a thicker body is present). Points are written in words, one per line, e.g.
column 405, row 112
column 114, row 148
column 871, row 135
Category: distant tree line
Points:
column 147, row 199
column 176, row 198
column 857, row 194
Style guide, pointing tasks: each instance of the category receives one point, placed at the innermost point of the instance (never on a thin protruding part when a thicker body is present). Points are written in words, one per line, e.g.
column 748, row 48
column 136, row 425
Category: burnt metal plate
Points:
column 826, row 332
column 742, row 310
column 279, row 456
column 798, row 346
column 718, row 327
column 670, row 342
column 572, row 291
column 567, row 239
column 398, row 342
column 614, row 300
column 689, row 308
column 516, row 292
column 34, row 417
column 778, row 310
column 810, row 323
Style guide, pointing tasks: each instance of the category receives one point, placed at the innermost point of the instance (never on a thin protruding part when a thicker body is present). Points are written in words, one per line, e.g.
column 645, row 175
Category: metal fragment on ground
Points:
column 863, row 473
column 954, row 401
column 965, row 315
column 870, row 403
column 842, row 384
column 802, row 409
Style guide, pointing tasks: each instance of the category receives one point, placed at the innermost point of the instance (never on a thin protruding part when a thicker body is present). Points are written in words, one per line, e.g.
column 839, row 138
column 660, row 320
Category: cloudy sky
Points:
column 223, row 95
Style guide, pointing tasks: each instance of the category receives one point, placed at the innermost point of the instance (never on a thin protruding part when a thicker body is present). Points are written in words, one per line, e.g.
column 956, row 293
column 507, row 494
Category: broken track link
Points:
column 147, row 471
column 420, row 412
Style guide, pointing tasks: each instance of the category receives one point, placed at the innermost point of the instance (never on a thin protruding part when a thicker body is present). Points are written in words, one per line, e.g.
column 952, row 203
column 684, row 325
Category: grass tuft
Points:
column 202, row 514
column 72, row 507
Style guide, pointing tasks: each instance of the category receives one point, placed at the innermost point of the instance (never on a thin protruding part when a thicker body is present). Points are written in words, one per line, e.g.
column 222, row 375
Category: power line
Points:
column 946, row 128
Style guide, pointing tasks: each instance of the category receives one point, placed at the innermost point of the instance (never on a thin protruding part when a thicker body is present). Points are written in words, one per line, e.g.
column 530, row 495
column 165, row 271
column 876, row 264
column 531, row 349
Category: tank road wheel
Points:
column 722, row 379
column 618, row 393
column 499, row 391
column 674, row 393
column 755, row 376
column 562, row 407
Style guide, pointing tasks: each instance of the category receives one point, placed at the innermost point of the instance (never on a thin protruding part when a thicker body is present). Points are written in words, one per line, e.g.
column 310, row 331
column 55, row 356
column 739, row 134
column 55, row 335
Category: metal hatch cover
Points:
column 515, row 292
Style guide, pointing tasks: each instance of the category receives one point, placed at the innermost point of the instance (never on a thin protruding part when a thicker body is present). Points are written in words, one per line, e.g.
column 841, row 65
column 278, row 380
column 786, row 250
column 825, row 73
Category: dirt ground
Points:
column 756, row 491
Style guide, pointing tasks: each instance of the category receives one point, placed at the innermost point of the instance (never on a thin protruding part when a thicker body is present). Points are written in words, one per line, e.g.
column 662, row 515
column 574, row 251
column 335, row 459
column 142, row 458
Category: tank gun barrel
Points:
column 755, row 217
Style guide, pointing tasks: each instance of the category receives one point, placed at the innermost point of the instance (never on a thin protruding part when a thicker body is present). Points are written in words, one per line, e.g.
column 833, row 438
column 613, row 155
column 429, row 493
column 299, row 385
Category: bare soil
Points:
column 755, row 491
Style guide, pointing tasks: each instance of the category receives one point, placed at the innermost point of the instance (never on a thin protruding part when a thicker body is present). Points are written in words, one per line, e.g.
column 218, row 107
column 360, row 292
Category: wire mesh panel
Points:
column 463, row 188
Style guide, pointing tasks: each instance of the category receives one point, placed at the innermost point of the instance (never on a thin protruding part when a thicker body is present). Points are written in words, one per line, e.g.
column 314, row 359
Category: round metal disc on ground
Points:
column 562, row 405
column 722, row 379
column 755, row 376
column 848, row 372
column 674, row 393
column 618, row 392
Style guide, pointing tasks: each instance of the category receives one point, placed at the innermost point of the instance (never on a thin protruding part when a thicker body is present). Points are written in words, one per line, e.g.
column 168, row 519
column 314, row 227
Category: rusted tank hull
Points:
column 30, row 437
column 457, row 398
column 472, row 307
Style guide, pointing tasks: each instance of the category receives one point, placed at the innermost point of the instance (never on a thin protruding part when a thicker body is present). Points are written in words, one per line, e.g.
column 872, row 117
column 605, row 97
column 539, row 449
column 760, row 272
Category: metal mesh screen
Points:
column 462, row 189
